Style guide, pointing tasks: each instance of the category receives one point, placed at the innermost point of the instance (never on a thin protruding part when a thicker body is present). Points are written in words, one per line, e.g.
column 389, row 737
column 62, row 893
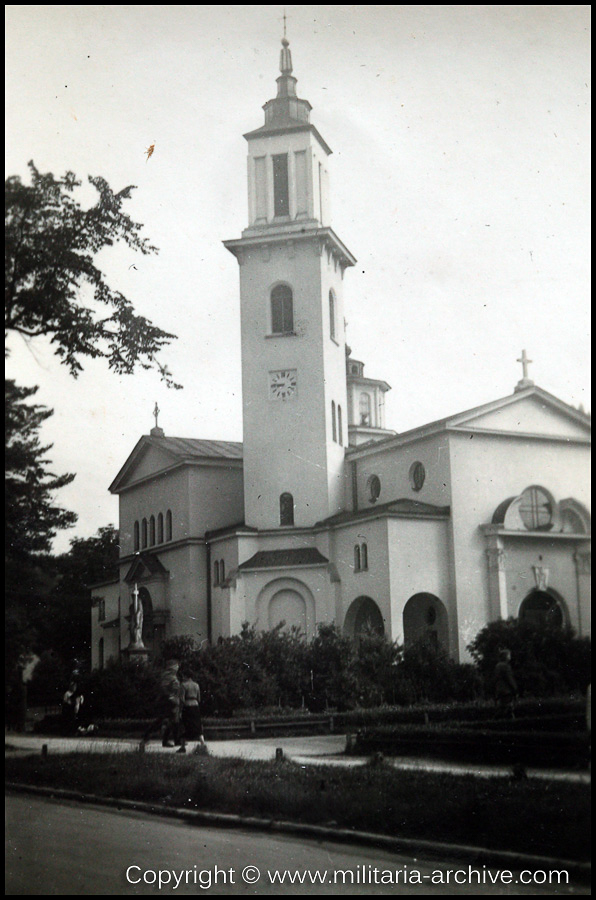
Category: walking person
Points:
column 168, row 709
column 191, row 707
column 71, row 706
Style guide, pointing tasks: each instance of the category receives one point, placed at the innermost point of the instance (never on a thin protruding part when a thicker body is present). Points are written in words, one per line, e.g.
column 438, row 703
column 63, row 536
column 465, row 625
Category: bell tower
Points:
column 295, row 416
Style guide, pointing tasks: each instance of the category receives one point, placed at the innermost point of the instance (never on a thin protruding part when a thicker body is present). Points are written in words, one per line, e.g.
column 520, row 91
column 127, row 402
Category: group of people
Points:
column 179, row 712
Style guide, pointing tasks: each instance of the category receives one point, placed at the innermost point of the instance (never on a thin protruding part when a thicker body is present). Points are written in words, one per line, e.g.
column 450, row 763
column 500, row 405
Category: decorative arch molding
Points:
column 575, row 518
column 536, row 510
column 543, row 607
column 289, row 600
column 363, row 615
column 425, row 618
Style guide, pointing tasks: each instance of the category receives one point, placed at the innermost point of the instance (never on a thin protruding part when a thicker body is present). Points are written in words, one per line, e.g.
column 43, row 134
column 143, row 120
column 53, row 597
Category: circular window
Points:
column 417, row 476
column 374, row 488
column 536, row 509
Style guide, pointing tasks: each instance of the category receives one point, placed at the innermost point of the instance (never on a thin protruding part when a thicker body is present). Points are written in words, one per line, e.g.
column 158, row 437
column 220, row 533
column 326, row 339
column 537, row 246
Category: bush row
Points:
column 279, row 670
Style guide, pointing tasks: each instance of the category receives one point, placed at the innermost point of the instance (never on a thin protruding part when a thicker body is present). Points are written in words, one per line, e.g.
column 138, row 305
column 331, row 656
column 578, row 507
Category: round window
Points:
column 374, row 488
column 417, row 476
column 536, row 509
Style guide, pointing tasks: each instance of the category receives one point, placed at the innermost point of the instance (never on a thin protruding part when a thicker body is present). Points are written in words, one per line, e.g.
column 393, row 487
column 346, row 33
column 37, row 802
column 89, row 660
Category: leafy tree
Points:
column 32, row 517
column 51, row 245
column 66, row 620
column 32, row 520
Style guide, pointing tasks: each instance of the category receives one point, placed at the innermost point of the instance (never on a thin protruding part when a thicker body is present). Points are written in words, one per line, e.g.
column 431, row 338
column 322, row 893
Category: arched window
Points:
column 222, row 571
column 160, row 528
column 364, row 556
column 152, row 531
column 144, row 533
column 333, row 421
column 169, row 525
column 364, row 409
column 332, row 314
column 215, row 573
column 137, row 539
column 340, row 435
column 286, row 509
column 282, row 310
column 357, row 563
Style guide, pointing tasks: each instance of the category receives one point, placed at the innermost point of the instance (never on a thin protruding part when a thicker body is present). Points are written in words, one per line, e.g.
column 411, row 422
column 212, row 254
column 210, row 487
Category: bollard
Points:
column 349, row 743
column 279, row 754
column 44, row 751
column 253, row 727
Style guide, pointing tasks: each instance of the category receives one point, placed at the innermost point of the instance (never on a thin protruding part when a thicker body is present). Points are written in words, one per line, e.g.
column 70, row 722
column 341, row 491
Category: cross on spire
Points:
column 285, row 19
column 525, row 380
column 525, row 363
column 156, row 431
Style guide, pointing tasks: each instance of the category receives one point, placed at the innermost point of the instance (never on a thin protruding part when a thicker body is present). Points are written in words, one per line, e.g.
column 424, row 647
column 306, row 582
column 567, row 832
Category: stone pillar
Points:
column 497, row 584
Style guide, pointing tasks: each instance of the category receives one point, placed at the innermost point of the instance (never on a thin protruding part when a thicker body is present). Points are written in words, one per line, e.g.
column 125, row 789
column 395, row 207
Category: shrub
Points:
column 546, row 660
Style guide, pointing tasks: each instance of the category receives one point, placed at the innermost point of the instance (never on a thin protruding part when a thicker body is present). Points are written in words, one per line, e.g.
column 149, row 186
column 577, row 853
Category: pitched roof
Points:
column 181, row 450
column 195, row 448
column 278, row 559
column 405, row 508
column 462, row 418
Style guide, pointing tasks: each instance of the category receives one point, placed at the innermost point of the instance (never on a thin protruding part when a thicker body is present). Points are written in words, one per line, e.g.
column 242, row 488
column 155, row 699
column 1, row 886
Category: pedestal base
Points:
column 136, row 654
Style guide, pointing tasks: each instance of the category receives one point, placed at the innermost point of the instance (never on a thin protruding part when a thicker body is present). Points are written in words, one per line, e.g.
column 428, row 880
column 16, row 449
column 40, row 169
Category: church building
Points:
column 323, row 514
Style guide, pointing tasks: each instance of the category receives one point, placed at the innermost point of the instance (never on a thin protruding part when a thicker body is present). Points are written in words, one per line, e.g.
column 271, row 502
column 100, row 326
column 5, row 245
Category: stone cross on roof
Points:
column 524, row 382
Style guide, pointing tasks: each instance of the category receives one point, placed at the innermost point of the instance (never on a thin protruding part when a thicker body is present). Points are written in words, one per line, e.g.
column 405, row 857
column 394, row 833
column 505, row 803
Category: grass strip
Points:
column 538, row 817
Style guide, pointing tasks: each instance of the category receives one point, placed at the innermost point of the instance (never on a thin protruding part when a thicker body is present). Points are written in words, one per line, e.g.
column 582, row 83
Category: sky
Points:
column 459, row 180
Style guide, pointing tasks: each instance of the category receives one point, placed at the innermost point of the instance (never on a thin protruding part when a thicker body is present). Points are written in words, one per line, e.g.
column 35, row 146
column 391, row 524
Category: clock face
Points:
column 282, row 384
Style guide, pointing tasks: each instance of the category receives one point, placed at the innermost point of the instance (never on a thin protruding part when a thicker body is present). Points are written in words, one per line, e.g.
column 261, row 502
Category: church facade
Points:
column 323, row 514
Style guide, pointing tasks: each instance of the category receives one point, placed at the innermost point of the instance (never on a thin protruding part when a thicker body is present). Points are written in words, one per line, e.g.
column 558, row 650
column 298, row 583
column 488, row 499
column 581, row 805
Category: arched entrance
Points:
column 425, row 618
column 543, row 609
column 363, row 616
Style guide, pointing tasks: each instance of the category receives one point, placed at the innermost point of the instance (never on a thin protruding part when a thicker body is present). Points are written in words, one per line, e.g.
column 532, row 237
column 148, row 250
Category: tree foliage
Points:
column 51, row 245
column 32, row 516
column 546, row 660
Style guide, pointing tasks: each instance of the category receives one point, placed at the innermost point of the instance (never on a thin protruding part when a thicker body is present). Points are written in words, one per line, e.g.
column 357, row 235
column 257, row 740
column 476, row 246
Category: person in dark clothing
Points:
column 167, row 720
column 191, row 708
column 71, row 707
column 504, row 682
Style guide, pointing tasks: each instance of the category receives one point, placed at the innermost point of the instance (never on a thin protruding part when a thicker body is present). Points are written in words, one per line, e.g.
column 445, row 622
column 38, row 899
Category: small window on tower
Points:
column 282, row 310
column 281, row 195
column 332, row 314
column 286, row 509
column 364, row 409
column 340, row 430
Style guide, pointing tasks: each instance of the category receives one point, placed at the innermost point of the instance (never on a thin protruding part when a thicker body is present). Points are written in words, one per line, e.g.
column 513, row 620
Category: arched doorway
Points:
column 542, row 609
column 363, row 616
column 425, row 618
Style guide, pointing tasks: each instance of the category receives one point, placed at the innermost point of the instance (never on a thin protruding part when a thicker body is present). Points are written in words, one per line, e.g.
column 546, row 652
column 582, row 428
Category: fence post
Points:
column 331, row 724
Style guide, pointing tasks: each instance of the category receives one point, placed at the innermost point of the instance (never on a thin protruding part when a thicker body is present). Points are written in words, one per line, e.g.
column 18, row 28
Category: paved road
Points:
column 60, row 848
column 319, row 749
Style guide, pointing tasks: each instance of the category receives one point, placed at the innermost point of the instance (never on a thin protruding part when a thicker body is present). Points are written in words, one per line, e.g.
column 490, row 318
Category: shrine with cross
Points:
column 324, row 513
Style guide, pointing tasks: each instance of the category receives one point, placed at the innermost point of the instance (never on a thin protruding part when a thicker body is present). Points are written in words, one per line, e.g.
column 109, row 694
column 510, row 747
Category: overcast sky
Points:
column 459, row 180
